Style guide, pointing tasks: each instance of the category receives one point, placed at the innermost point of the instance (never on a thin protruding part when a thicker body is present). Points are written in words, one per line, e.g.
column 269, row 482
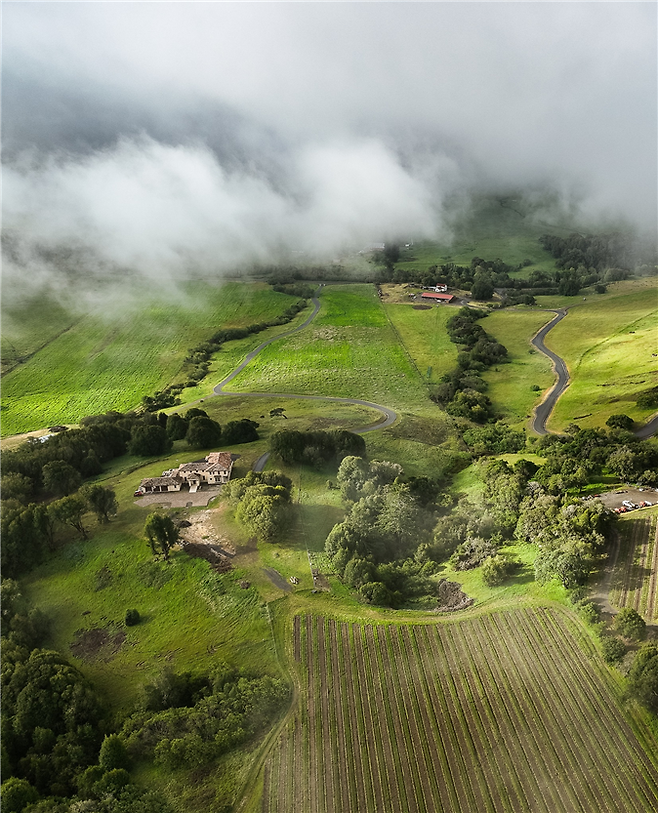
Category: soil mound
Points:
column 452, row 597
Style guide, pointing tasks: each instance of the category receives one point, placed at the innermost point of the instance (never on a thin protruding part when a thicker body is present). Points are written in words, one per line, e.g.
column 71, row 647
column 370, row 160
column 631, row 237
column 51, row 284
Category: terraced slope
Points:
column 506, row 712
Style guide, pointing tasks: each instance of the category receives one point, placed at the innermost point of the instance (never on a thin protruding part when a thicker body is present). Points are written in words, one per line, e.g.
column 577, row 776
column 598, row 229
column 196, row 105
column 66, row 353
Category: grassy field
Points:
column 423, row 333
column 635, row 579
column 510, row 385
column 479, row 715
column 608, row 345
column 350, row 350
column 110, row 361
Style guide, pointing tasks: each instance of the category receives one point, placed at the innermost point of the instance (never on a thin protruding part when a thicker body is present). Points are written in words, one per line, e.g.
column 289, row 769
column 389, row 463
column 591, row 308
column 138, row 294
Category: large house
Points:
column 213, row 470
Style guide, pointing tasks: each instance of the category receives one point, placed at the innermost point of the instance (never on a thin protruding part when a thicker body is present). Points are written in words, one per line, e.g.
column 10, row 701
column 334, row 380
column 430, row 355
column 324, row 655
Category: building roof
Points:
column 160, row 481
column 444, row 297
column 222, row 459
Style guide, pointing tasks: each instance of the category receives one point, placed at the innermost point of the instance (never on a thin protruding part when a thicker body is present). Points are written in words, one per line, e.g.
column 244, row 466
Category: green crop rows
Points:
column 504, row 712
column 635, row 581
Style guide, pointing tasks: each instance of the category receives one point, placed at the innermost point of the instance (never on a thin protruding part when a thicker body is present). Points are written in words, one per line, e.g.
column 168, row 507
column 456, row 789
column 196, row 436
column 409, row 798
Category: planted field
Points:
column 350, row 350
column 609, row 347
column 110, row 361
column 635, row 579
column 505, row 712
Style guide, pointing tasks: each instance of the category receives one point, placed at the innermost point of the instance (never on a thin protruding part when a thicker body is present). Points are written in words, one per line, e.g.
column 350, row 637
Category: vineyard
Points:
column 504, row 712
column 635, row 581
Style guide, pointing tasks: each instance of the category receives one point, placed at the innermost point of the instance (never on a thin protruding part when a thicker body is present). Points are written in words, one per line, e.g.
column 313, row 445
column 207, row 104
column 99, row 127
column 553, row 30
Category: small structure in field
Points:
column 214, row 469
column 434, row 297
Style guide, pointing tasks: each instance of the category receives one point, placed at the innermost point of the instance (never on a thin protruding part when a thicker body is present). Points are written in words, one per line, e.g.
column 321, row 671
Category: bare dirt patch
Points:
column 277, row 579
column 100, row 643
column 201, row 540
column 422, row 307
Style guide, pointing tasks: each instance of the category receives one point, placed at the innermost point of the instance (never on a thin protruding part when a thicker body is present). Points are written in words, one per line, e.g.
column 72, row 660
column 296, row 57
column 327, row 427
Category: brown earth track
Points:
column 386, row 731
column 575, row 762
column 594, row 691
column 529, row 792
column 541, row 726
column 445, row 721
column 315, row 730
column 346, row 767
column 652, row 607
column 521, row 719
column 443, row 791
column 464, row 745
column 296, row 638
column 328, row 765
column 364, row 786
column 487, row 781
column 422, row 752
column 609, row 763
column 379, row 776
column 640, row 565
column 386, row 666
column 509, row 786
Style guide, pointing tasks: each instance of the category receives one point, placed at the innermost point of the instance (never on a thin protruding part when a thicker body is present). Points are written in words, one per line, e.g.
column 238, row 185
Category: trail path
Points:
column 389, row 416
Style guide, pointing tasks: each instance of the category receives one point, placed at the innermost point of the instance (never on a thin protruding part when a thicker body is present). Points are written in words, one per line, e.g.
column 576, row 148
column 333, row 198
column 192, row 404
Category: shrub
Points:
column 613, row 650
column 629, row 623
column 495, row 570
column 132, row 618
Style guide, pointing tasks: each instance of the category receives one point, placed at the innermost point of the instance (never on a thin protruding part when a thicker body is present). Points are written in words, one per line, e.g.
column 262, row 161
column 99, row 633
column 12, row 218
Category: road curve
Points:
column 389, row 416
column 543, row 411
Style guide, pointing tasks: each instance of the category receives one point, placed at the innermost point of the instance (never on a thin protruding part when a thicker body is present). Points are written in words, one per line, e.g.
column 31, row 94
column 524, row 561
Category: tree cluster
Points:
column 262, row 502
column 317, row 448
column 189, row 721
column 461, row 391
column 380, row 547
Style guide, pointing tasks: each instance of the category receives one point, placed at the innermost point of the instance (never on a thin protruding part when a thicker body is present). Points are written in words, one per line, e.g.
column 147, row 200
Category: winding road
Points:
column 389, row 416
column 543, row 411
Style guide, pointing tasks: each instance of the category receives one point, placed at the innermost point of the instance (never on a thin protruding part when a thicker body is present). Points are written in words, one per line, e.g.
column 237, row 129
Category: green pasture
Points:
column 608, row 347
column 510, row 385
column 424, row 336
column 350, row 350
column 110, row 360
column 491, row 228
column 29, row 325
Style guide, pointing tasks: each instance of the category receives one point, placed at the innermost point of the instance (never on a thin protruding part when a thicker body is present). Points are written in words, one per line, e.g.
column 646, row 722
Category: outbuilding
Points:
column 437, row 297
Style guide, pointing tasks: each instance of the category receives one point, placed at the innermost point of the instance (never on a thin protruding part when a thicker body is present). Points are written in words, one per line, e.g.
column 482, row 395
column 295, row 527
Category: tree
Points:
column 17, row 794
column 351, row 477
column 643, row 677
column 203, row 433
column 113, row 753
column 482, row 288
column 629, row 623
column 132, row 617
column 161, row 533
column 70, row 511
column 60, row 477
column 176, row 426
column 149, row 441
column 16, row 486
column 102, row 501
column 244, row 431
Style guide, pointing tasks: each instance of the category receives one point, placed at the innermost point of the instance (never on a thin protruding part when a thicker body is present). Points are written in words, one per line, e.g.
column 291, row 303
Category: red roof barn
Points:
column 438, row 297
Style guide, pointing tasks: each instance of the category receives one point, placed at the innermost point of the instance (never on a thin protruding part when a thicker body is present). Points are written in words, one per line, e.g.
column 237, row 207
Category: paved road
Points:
column 389, row 416
column 543, row 411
